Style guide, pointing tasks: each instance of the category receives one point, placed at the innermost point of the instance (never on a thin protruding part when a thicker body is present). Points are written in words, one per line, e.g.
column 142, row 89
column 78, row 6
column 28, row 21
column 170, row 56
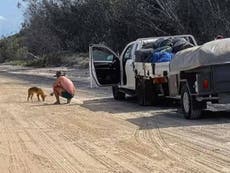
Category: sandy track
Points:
column 95, row 134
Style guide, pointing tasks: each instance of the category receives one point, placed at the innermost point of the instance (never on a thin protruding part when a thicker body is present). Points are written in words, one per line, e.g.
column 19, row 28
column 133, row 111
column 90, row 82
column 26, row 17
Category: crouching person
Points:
column 63, row 87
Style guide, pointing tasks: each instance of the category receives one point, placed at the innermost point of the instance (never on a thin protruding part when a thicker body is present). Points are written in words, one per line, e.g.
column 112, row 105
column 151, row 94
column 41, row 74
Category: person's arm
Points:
column 57, row 83
column 74, row 90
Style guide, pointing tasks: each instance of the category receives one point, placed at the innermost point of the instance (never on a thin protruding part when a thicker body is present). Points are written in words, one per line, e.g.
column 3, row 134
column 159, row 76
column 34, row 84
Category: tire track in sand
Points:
column 155, row 138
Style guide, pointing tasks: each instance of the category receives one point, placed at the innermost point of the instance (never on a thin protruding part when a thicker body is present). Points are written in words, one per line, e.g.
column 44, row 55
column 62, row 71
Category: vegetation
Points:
column 53, row 27
column 12, row 48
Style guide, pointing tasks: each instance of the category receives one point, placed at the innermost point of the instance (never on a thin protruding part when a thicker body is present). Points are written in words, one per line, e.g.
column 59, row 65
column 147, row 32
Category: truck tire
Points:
column 117, row 95
column 140, row 93
column 145, row 92
column 191, row 108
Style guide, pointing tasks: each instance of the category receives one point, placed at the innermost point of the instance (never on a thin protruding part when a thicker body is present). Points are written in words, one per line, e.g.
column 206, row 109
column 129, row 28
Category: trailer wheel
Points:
column 191, row 108
column 117, row 95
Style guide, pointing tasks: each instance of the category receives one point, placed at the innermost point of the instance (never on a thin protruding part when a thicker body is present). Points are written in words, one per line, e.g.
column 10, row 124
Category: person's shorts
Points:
column 66, row 95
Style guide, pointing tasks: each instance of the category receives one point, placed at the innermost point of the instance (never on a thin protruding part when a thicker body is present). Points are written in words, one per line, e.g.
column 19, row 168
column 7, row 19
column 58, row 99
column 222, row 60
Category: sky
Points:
column 10, row 17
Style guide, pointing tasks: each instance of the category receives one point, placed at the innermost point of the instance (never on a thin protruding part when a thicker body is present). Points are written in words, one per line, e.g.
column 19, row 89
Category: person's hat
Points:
column 219, row 37
column 59, row 73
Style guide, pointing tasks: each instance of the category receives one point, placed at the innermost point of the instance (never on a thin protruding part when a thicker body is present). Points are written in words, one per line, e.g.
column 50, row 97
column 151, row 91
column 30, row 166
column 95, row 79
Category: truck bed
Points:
column 151, row 69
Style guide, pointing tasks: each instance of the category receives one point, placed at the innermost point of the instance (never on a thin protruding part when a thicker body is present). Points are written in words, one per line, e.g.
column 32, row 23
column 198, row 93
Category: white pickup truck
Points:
column 126, row 75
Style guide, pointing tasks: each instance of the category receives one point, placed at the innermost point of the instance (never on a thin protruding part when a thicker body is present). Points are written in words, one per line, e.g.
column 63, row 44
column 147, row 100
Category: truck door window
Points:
column 128, row 53
column 103, row 55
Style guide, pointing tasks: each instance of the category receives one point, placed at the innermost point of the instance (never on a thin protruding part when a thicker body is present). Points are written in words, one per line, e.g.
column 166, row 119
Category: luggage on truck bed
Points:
column 201, row 56
column 163, row 49
column 161, row 42
column 143, row 55
column 159, row 57
column 180, row 44
column 148, row 45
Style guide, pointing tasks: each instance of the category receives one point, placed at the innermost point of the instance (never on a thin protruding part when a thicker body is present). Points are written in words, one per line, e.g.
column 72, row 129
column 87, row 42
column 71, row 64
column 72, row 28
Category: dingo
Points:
column 37, row 91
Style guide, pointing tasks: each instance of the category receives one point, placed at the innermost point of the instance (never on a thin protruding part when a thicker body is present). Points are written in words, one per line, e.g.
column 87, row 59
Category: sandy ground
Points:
column 96, row 134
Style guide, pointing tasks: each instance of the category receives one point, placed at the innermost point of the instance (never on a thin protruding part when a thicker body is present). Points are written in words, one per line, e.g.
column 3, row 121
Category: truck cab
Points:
column 106, row 64
column 110, row 69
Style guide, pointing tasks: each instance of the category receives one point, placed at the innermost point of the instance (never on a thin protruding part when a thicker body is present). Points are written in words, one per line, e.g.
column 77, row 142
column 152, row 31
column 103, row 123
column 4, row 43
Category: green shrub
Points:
column 11, row 49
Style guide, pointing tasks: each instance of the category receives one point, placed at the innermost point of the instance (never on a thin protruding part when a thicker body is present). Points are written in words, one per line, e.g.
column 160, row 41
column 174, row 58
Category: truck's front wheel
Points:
column 117, row 95
column 191, row 108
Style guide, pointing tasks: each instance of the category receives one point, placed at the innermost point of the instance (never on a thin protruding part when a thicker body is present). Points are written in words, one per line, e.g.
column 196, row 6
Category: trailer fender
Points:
column 182, row 83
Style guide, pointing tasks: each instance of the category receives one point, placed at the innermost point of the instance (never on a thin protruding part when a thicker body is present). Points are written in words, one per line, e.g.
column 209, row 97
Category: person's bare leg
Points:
column 57, row 99
column 68, row 101
column 57, row 93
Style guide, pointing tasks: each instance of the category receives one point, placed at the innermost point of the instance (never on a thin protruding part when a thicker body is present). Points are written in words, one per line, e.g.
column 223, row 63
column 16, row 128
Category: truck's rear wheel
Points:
column 191, row 108
column 117, row 95
column 145, row 92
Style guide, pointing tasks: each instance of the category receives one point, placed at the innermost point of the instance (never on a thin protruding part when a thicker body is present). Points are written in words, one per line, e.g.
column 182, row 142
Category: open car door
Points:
column 105, row 65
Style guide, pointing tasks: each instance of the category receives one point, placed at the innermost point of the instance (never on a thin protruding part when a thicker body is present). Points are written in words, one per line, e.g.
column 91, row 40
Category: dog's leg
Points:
column 28, row 97
column 38, row 97
column 31, row 97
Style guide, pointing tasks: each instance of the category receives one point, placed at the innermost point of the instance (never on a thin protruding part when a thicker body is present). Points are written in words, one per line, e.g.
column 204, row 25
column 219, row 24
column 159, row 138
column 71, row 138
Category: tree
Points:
column 67, row 25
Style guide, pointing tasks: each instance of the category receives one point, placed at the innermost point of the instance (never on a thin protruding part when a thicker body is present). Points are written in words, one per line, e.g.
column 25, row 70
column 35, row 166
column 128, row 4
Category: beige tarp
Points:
column 211, row 53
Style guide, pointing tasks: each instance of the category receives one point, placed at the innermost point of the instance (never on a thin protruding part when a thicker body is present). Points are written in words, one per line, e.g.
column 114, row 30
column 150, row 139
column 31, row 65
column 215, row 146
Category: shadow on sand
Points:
column 175, row 119
column 113, row 106
column 52, row 104
column 165, row 115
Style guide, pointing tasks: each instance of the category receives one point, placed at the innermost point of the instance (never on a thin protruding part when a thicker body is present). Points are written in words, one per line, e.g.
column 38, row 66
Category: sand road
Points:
column 96, row 134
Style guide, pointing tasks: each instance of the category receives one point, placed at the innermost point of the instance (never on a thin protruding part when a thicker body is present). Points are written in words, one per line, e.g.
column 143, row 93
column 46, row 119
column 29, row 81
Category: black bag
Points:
column 143, row 55
column 162, row 42
column 180, row 44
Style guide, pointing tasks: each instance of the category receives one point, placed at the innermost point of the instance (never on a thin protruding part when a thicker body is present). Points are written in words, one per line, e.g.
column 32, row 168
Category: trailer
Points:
column 201, row 75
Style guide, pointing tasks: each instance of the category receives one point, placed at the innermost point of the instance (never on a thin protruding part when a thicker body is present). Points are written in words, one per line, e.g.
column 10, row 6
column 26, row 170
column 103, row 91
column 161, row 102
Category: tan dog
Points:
column 38, row 91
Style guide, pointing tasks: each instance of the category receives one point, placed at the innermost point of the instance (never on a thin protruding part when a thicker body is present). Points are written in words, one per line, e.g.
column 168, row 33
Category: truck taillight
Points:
column 205, row 84
column 160, row 80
